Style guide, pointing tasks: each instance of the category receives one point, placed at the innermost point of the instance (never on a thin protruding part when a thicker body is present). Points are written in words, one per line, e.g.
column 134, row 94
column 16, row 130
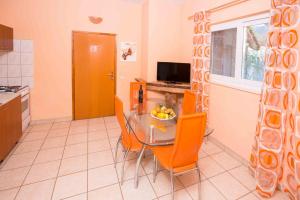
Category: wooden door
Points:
column 93, row 75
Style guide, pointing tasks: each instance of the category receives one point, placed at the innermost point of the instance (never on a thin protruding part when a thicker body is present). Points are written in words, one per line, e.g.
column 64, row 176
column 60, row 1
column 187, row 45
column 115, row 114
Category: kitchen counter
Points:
column 6, row 97
column 10, row 122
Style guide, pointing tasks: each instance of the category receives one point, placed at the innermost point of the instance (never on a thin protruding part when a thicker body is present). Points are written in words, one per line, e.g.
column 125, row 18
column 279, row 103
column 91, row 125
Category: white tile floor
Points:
column 74, row 161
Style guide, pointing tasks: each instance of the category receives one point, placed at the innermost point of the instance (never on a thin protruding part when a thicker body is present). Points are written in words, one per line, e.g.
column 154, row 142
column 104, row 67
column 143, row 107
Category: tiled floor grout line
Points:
column 19, row 187
column 185, row 188
column 102, row 187
column 152, row 186
column 229, row 153
column 62, row 146
column 130, row 178
column 33, row 140
column 208, row 178
column 7, row 158
column 216, row 188
column 226, row 171
column 161, row 170
column 211, row 155
column 74, row 196
column 38, row 150
column 87, row 164
column 245, row 195
column 30, row 166
column 67, row 174
column 148, row 176
column 116, row 161
column 67, row 158
column 238, row 179
column 56, row 178
column 205, row 179
column 110, row 139
column 106, row 164
column 9, row 155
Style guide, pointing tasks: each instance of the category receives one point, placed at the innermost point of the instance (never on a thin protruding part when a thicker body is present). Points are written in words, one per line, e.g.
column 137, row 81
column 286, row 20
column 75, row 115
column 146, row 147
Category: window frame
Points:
column 237, row 82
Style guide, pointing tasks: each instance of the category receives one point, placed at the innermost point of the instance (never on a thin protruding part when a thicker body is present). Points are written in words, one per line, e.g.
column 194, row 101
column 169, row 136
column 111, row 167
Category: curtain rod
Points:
column 241, row 17
column 222, row 7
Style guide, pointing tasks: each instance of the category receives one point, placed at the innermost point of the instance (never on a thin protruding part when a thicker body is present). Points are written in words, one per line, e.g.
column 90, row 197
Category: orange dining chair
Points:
column 189, row 103
column 127, row 139
column 134, row 91
column 182, row 157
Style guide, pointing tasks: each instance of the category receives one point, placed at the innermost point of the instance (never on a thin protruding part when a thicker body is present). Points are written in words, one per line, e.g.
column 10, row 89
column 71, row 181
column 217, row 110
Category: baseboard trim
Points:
column 45, row 121
column 229, row 151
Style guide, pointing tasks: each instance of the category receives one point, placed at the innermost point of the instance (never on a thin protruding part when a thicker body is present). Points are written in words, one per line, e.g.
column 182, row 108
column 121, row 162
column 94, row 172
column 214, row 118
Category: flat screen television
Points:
column 174, row 72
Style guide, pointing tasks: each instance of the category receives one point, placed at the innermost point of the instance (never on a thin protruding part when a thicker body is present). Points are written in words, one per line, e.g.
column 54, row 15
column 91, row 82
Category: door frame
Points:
column 73, row 67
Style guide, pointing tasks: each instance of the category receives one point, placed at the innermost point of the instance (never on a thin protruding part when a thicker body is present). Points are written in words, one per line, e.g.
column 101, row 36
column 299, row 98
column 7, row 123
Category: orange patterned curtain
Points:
column 275, row 156
column 201, row 59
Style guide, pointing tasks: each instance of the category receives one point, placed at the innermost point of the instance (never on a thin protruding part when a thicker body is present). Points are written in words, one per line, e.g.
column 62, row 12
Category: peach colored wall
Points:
column 145, row 39
column 232, row 113
column 49, row 23
column 164, row 32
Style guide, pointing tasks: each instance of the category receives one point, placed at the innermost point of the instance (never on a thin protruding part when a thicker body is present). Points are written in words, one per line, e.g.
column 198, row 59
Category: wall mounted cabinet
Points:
column 6, row 38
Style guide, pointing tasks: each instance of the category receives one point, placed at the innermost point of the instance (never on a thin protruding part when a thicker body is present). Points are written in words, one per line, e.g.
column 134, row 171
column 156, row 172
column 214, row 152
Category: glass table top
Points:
column 151, row 131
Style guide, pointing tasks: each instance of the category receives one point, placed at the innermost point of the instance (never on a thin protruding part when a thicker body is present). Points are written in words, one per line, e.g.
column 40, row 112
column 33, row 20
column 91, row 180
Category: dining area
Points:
column 172, row 139
column 175, row 143
column 150, row 100
column 136, row 154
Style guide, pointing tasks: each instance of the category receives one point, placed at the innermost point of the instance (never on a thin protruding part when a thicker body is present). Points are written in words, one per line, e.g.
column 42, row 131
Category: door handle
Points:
column 111, row 75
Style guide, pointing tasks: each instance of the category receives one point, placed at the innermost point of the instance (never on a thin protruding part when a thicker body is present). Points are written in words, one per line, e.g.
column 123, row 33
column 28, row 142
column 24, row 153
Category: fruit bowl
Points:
column 163, row 113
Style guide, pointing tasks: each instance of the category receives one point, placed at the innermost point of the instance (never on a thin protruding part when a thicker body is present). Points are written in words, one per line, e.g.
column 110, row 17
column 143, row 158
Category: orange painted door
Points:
column 93, row 75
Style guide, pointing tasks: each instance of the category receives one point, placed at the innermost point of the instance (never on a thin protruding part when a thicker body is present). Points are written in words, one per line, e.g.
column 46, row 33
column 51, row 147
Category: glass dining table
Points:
column 150, row 131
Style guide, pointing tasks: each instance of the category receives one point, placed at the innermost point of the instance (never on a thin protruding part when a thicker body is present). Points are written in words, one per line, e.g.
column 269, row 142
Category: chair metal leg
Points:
column 154, row 168
column 172, row 184
column 116, row 152
column 199, row 184
column 123, row 165
column 138, row 163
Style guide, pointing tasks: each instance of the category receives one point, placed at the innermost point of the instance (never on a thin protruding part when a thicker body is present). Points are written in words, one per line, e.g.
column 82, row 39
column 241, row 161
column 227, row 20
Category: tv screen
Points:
column 173, row 72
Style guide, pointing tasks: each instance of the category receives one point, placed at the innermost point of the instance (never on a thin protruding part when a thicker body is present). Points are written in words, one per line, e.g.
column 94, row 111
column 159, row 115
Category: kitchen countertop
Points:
column 7, row 96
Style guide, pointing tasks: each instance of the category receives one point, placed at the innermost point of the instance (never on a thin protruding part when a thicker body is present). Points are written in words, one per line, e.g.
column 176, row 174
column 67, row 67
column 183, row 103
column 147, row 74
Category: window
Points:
column 255, row 39
column 238, row 52
column 224, row 50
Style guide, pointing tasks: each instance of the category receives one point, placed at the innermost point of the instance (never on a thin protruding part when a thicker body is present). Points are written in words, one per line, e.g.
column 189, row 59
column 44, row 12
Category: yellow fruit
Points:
column 160, row 115
column 162, row 112
column 153, row 112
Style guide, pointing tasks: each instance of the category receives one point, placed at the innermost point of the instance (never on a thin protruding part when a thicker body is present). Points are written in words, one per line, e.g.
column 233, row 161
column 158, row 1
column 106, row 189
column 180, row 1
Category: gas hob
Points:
column 14, row 89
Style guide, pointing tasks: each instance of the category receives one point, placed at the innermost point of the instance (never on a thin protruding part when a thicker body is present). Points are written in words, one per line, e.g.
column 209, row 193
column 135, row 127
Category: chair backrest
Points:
column 134, row 91
column 189, row 137
column 120, row 117
column 189, row 103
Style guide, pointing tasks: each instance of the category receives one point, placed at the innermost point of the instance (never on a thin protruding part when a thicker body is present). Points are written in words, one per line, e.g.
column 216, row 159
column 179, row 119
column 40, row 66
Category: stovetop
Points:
column 10, row 88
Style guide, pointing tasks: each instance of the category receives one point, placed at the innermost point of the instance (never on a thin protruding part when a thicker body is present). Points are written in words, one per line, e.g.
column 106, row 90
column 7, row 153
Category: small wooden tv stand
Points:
column 171, row 91
column 168, row 87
